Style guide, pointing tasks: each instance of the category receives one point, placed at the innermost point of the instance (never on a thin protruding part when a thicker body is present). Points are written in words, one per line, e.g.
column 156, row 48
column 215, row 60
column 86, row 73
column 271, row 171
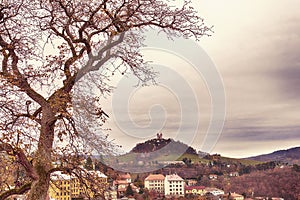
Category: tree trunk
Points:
column 39, row 189
column 42, row 159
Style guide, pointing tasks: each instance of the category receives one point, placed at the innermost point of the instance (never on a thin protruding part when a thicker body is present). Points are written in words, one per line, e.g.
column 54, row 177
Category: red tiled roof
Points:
column 123, row 182
column 195, row 187
column 125, row 176
column 152, row 177
column 174, row 177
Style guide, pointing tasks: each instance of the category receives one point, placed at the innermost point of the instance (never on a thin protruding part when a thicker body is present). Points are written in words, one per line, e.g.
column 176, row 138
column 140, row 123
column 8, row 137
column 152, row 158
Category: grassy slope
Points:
column 195, row 159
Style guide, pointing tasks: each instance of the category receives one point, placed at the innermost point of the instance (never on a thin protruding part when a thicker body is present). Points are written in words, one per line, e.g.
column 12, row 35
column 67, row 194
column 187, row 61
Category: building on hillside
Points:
column 122, row 183
column 214, row 191
column 234, row 174
column 121, row 187
column 159, row 136
column 172, row 162
column 155, row 182
column 195, row 190
column 191, row 182
column 125, row 177
column 111, row 195
column 67, row 187
column 174, row 185
column 233, row 196
column 213, row 176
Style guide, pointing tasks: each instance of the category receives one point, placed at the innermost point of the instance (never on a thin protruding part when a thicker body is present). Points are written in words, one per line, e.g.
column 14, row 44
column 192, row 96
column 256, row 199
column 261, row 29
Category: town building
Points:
column 232, row 174
column 174, row 185
column 121, row 184
column 111, row 195
column 126, row 177
column 172, row 162
column 191, row 182
column 213, row 176
column 60, row 186
column 67, row 187
column 233, row 196
column 155, row 182
column 214, row 191
column 195, row 190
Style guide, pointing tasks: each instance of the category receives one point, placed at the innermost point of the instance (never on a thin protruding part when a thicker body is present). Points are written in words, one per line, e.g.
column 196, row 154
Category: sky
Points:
column 254, row 48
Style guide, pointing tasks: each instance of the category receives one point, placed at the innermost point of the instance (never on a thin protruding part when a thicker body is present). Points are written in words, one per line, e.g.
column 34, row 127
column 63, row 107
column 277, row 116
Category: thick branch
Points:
column 14, row 191
column 4, row 62
column 22, row 158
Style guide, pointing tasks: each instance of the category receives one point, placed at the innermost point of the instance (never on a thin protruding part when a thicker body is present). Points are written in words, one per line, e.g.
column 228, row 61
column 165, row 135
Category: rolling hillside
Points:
column 160, row 149
column 290, row 156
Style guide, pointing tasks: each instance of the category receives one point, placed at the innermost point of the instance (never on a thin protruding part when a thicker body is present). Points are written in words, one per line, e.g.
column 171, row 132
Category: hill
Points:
column 155, row 153
column 164, row 146
column 290, row 156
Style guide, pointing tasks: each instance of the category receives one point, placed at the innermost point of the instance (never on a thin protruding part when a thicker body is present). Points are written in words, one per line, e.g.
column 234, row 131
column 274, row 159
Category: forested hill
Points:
column 164, row 145
column 291, row 156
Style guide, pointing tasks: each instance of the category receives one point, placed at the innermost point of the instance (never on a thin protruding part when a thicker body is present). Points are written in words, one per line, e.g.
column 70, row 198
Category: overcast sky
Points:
column 255, row 46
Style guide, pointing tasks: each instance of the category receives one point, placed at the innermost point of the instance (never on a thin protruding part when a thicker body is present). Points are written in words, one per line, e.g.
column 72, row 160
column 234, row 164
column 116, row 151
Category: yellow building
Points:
column 195, row 190
column 60, row 187
column 66, row 187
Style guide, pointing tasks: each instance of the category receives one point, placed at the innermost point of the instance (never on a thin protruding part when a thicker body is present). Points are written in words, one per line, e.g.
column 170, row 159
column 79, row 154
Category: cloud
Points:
column 256, row 47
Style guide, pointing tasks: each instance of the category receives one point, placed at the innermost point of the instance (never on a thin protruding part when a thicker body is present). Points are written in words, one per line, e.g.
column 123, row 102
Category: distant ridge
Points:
column 290, row 156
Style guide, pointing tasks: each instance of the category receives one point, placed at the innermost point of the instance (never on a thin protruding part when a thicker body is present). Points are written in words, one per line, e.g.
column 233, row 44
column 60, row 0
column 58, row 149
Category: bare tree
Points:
column 48, row 46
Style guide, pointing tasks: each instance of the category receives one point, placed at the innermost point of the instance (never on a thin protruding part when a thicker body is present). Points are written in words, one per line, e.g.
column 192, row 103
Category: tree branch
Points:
column 16, row 78
column 14, row 191
column 22, row 158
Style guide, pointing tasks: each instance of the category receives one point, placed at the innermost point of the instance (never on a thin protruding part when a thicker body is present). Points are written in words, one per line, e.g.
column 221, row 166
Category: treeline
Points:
column 277, row 182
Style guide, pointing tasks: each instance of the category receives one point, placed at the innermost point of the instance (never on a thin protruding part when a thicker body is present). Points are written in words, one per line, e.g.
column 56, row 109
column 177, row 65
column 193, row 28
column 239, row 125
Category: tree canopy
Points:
column 49, row 46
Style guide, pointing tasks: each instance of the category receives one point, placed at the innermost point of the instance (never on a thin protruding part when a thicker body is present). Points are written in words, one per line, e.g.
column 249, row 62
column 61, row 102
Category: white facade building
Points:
column 174, row 185
column 155, row 182
column 214, row 191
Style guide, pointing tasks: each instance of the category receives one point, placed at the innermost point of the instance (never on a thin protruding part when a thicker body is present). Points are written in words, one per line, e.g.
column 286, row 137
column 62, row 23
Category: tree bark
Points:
column 42, row 160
